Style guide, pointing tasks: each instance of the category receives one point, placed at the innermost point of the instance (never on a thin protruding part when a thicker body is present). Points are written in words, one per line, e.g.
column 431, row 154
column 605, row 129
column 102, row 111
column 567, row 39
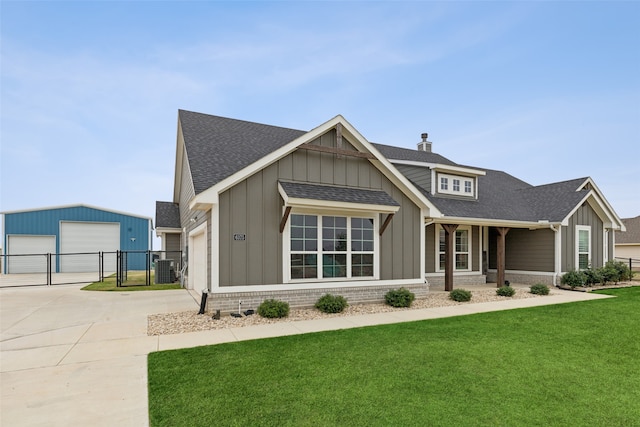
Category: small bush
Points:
column 539, row 289
column 505, row 291
column 272, row 309
column 331, row 303
column 399, row 297
column 624, row 273
column 460, row 295
column 573, row 279
column 592, row 276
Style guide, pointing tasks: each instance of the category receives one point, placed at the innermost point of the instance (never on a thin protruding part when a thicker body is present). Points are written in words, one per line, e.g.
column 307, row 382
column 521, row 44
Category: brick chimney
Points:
column 424, row 145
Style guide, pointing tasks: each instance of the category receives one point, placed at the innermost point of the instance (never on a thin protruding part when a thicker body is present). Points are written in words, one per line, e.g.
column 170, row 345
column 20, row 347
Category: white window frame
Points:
column 580, row 228
column 469, row 231
column 458, row 190
column 286, row 246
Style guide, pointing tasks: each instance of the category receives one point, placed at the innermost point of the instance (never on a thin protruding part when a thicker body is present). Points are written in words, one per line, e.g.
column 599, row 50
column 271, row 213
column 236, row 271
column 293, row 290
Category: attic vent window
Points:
column 460, row 185
column 444, row 183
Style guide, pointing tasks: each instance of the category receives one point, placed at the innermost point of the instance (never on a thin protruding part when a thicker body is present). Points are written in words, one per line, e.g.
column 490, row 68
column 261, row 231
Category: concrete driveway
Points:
column 71, row 357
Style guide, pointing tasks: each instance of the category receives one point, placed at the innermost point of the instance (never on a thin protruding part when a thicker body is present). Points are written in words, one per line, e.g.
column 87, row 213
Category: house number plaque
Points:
column 239, row 236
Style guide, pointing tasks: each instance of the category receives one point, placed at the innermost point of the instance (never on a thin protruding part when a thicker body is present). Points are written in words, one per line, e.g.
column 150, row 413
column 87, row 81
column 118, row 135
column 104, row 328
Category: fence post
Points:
column 48, row 255
column 148, row 275
column 118, row 277
column 631, row 266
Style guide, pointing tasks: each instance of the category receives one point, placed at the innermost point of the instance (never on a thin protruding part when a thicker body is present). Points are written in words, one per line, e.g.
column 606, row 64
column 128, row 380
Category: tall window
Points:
column 462, row 251
column 324, row 246
column 583, row 246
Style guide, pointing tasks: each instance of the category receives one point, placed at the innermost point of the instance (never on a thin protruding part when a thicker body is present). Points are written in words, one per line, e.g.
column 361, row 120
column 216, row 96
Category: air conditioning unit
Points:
column 165, row 272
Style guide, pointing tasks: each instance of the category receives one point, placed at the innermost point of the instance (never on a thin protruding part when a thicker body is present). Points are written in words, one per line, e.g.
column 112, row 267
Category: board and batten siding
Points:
column 525, row 250
column 254, row 208
column 584, row 215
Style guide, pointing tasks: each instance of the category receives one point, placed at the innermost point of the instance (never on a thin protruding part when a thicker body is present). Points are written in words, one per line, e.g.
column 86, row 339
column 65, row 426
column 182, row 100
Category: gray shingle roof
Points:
column 632, row 235
column 217, row 147
column 167, row 215
column 504, row 197
column 337, row 194
column 398, row 153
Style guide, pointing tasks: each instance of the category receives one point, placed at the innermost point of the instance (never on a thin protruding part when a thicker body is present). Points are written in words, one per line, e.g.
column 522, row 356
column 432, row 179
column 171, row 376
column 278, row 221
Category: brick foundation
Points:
column 299, row 298
column 522, row 278
column 476, row 279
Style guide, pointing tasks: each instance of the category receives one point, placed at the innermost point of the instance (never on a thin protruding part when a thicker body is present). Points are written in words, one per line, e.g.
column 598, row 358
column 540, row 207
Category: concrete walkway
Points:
column 71, row 357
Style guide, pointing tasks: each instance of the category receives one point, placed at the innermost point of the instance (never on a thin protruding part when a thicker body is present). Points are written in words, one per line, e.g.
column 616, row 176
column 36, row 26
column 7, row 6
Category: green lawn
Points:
column 135, row 282
column 565, row 365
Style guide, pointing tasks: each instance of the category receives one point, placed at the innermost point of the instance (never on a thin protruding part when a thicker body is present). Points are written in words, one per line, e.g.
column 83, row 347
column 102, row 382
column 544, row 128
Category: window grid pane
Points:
column 340, row 257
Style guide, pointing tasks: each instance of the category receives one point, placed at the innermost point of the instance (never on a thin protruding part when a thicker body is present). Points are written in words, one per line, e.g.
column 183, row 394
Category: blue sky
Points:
column 546, row 91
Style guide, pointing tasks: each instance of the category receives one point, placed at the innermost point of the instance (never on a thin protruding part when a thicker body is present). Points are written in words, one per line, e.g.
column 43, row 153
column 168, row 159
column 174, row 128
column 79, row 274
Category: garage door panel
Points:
column 28, row 253
column 198, row 263
column 80, row 243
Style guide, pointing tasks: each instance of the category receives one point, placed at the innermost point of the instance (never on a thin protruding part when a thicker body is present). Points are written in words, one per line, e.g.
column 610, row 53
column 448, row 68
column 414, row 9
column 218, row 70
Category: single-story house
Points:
column 628, row 242
column 74, row 235
column 269, row 212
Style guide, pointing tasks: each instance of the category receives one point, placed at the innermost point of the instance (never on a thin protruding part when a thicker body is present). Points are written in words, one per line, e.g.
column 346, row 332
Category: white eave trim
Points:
column 600, row 206
column 205, row 199
column 441, row 167
column 492, row 222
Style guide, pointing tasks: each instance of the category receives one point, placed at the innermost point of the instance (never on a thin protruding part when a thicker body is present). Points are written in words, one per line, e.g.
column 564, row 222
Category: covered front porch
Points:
column 490, row 254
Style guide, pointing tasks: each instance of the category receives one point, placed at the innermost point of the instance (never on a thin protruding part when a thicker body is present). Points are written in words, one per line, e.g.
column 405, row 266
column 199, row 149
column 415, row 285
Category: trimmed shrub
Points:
column 623, row 271
column 272, row 309
column 331, row 303
column 573, row 279
column 539, row 289
column 592, row 276
column 399, row 297
column 460, row 295
column 505, row 291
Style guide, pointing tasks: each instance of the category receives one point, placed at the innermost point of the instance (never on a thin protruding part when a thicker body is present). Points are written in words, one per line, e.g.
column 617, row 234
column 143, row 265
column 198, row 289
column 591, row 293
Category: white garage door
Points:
column 198, row 263
column 19, row 245
column 84, row 240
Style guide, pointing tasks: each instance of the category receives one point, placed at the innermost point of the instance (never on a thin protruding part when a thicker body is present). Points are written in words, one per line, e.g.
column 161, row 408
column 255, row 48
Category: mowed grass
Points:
column 135, row 282
column 564, row 365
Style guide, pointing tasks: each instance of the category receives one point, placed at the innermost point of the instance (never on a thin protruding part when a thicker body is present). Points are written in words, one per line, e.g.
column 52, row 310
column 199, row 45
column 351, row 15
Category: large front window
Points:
column 327, row 246
column 462, row 251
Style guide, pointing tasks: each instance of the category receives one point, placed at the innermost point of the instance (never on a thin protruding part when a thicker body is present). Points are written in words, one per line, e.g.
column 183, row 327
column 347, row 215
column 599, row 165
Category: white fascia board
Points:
column 441, row 167
column 493, row 222
column 177, row 177
column 167, row 230
column 597, row 203
column 339, row 206
column 210, row 196
column 603, row 202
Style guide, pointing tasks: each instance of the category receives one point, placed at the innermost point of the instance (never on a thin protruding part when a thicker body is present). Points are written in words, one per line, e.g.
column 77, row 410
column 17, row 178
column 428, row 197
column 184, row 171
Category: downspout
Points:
column 557, row 258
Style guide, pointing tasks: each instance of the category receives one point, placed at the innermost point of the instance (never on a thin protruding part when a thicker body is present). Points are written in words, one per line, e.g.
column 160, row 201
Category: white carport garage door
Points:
column 88, row 238
column 24, row 244
column 198, row 263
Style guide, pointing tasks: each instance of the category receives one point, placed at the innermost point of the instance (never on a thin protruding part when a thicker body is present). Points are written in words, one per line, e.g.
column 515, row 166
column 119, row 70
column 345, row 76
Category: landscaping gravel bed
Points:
column 191, row 321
